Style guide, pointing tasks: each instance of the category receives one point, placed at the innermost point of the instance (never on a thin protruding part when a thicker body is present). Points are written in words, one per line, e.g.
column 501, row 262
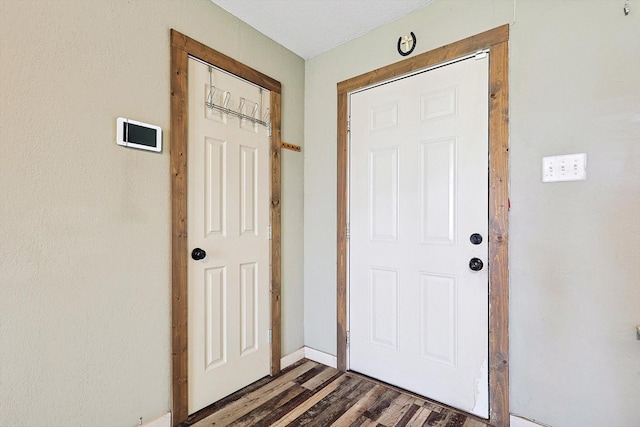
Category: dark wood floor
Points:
column 311, row 394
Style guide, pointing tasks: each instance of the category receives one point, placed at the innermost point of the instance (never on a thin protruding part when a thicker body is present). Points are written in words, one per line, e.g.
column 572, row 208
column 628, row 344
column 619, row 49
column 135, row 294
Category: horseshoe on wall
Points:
column 413, row 45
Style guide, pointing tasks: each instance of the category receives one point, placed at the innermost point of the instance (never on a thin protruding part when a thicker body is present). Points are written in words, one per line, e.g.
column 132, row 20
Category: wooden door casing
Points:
column 497, row 41
column 181, row 48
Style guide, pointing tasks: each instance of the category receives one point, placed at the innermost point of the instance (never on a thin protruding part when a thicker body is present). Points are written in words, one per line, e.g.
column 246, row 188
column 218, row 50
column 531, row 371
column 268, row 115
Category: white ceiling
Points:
column 310, row 27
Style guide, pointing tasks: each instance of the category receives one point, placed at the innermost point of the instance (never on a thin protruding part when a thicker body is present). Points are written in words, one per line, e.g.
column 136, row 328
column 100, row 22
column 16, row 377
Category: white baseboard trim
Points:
column 292, row 358
column 517, row 421
column 311, row 354
column 321, row 357
column 163, row 421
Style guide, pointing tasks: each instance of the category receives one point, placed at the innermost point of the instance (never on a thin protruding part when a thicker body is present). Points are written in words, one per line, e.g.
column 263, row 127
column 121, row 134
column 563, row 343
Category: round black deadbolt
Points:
column 198, row 254
column 475, row 238
column 476, row 264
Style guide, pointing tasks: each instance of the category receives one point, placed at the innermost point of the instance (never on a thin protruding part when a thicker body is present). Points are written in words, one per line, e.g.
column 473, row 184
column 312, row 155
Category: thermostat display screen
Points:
column 140, row 135
column 143, row 136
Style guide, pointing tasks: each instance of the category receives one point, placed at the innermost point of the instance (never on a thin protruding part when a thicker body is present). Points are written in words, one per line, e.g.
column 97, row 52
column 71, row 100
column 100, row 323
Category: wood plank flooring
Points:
column 310, row 394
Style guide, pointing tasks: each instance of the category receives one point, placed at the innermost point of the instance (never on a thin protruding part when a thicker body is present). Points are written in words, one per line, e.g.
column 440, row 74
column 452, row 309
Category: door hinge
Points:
column 270, row 232
column 348, row 339
column 270, row 335
column 348, row 231
column 349, row 124
column 270, row 130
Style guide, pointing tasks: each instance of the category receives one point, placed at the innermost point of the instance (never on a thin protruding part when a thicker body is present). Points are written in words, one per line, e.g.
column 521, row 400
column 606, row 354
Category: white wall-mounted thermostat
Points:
column 130, row 133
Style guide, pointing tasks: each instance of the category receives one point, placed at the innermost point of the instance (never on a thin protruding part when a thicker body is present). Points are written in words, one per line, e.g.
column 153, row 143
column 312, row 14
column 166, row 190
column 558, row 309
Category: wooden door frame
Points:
column 497, row 41
column 181, row 48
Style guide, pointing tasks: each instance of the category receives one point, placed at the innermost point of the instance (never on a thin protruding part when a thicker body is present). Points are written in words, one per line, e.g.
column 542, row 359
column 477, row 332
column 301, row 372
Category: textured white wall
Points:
column 85, row 224
column 575, row 294
column 574, row 247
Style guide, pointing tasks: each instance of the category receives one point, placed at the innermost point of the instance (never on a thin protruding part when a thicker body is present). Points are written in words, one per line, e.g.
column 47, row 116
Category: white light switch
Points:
column 569, row 167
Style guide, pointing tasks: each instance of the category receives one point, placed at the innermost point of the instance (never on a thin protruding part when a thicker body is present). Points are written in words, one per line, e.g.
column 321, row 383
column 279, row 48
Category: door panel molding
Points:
column 181, row 48
column 496, row 40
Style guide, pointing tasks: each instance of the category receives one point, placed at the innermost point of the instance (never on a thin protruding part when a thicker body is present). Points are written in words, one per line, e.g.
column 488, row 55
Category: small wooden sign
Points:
column 291, row 147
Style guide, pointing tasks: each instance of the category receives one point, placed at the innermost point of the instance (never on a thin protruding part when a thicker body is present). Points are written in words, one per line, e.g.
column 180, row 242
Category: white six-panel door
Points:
column 418, row 315
column 228, row 218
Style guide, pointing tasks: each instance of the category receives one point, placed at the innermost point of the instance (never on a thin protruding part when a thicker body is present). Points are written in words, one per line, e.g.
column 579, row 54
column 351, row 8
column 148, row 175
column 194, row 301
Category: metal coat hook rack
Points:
column 227, row 106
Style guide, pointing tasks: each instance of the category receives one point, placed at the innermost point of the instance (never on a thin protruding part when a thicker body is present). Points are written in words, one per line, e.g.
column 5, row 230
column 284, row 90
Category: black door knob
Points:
column 476, row 264
column 475, row 238
column 198, row 254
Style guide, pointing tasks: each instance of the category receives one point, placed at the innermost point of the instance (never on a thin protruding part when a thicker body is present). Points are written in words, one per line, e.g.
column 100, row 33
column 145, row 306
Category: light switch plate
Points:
column 568, row 167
